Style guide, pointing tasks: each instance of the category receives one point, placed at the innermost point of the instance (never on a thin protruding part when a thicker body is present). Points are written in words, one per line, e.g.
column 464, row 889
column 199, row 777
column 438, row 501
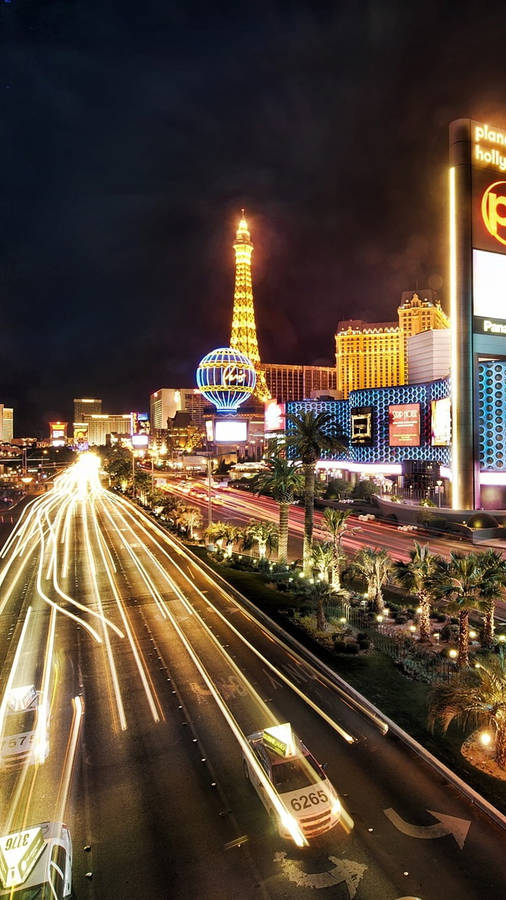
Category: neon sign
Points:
column 492, row 202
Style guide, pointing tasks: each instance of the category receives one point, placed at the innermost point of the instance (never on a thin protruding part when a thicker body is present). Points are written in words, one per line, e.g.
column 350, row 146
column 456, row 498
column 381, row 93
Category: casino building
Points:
column 403, row 433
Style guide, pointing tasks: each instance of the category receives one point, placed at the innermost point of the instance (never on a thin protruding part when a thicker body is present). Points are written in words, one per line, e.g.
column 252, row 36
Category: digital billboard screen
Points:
column 139, row 423
column 361, row 425
column 230, row 431
column 440, row 422
column 489, row 286
column 140, row 441
column 58, row 433
column 81, row 435
column 274, row 416
column 404, row 425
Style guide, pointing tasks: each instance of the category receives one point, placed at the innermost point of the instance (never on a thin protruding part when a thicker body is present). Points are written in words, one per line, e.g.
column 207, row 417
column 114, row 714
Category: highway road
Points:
column 239, row 507
column 154, row 674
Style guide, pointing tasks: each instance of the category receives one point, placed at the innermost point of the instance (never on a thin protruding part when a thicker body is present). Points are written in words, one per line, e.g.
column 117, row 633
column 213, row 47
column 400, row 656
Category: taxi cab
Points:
column 36, row 863
column 25, row 729
column 298, row 779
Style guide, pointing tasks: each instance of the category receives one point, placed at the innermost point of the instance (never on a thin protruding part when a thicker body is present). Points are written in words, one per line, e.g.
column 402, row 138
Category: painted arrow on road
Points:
column 344, row 870
column 445, row 825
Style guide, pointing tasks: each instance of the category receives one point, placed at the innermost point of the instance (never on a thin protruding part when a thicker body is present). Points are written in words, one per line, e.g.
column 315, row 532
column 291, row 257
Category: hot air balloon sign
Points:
column 227, row 378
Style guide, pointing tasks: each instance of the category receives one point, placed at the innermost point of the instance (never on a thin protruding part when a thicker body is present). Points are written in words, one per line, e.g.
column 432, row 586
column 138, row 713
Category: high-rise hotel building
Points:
column 375, row 354
column 288, row 382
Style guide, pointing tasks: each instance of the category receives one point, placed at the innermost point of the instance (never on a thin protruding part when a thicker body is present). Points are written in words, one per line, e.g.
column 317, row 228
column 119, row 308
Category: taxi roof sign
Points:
column 280, row 739
column 19, row 852
column 20, row 698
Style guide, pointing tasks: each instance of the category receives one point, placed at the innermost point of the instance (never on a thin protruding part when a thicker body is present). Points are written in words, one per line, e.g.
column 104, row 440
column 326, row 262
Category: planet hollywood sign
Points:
column 477, row 285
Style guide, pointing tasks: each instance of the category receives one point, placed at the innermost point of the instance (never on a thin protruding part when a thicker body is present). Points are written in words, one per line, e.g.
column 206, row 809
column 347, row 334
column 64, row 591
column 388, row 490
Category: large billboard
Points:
column 477, row 195
column 404, row 425
column 230, row 431
column 58, row 433
column 139, row 423
column 440, row 422
column 361, row 425
column 274, row 417
column 81, row 435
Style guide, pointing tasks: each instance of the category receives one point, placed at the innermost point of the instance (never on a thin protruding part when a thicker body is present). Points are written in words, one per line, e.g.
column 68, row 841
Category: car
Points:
column 36, row 863
column 297, row 778
column 26, row 727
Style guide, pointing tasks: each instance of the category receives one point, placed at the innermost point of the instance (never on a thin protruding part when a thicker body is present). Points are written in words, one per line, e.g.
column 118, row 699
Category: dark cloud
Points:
column 132, row 134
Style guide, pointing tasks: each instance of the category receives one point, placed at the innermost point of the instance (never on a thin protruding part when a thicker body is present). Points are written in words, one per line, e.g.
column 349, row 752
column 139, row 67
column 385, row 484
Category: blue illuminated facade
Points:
column 492, row 405
column 492, row 420
column 378, row 401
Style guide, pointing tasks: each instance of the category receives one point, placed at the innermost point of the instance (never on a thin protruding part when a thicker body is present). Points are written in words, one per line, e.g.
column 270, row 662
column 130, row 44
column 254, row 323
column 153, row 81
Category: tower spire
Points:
column 244, row 333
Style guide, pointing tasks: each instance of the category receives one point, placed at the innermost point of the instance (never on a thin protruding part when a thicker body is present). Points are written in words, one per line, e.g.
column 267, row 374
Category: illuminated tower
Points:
column 244, row 333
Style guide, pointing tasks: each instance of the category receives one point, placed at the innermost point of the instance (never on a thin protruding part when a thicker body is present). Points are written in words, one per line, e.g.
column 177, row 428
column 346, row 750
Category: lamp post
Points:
column 209, row 495
column 439, row 485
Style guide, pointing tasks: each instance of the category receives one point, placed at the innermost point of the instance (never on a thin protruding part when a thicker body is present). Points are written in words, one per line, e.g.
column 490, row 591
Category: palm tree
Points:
column 321, row 594
column 374, row 565
column 223, row 534
column 492, row 587
column 475, row 696
column 323, row 559
column 191, row 519
column 308, row 435
column 214, row 533
column 265, row 534
column 414, row 577
column 282, row 479
column 458, row 580
column 335, row 523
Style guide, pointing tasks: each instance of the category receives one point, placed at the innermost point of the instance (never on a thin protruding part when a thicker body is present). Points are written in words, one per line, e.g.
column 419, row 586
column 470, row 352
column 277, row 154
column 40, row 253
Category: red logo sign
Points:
column 493, row 210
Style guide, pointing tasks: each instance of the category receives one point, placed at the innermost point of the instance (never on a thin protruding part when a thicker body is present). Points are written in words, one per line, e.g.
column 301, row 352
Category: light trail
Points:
column 276, row 671
column 40, row 741
column 57, row 606
column 12, row 673
column 289, row 822
column 70, row 755
column 112, row 667
column 37, row 527
column 266, row 712
column 149, row 689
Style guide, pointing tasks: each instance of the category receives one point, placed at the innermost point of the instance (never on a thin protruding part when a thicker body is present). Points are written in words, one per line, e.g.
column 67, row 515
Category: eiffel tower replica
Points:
column 244, row 332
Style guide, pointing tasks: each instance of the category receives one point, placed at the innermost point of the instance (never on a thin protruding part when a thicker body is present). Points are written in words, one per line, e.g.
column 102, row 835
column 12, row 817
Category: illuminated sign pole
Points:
column 477, row 195
column 461, row 304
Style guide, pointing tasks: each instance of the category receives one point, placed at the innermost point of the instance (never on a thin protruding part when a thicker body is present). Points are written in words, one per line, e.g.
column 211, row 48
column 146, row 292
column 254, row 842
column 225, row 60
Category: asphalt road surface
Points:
column 152, row 683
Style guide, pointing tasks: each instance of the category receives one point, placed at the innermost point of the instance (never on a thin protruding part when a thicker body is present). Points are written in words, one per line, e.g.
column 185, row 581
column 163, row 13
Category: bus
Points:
column 36, row 863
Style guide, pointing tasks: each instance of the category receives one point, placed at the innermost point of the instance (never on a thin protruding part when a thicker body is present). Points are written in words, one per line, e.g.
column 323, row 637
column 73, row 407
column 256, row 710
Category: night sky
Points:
column 134, row 132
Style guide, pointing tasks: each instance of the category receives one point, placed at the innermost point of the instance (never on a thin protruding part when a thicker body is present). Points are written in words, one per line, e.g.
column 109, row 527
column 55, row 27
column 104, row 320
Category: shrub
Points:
column 340, row 646
column 308, row 623
column 352, row 647
column 364, row 490
column 361, row 636
column 364, row 645
column 401, row 620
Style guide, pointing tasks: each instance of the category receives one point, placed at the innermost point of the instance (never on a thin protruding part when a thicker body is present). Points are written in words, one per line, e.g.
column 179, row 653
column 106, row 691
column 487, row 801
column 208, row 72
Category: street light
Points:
column 439, row 484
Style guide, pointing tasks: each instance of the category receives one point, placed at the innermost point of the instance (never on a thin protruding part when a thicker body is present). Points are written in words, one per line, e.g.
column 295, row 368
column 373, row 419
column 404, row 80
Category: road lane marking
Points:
column 343, row 870
column 446, row 825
